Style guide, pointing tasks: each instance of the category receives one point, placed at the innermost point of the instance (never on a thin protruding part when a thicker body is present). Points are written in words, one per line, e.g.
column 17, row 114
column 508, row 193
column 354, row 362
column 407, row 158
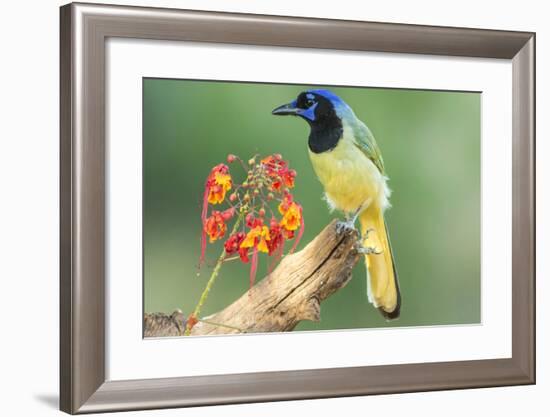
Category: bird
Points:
column 349, row 165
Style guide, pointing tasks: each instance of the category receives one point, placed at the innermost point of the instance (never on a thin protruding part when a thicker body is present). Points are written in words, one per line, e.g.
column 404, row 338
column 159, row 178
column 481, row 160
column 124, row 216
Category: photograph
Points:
column 360, row 210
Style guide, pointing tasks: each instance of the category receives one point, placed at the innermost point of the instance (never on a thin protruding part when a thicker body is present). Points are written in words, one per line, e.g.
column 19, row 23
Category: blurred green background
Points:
column 430, row 141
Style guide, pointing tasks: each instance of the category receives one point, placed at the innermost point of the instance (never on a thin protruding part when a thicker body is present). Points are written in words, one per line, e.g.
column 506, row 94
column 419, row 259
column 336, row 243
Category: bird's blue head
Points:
column 315, row 106
column 324, row 111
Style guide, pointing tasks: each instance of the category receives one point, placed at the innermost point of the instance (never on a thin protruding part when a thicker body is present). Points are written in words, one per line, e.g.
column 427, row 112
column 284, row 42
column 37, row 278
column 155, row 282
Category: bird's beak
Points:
column 286, row 109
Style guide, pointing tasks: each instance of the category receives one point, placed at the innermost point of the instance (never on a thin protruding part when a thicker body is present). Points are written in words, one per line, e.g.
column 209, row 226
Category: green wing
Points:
column 364, row 140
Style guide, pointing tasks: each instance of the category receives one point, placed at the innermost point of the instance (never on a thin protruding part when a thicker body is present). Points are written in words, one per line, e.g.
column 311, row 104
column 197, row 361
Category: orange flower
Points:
column 257, row 238
column 215, row 226
column 217, row 184
column 292, row 220
column 292, row 217
column 220, row 183
column 285, row 203
column 292, row 213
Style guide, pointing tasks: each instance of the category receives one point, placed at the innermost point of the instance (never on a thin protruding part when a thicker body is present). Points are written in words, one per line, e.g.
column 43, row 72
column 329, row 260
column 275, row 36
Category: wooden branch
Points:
column 291, row 293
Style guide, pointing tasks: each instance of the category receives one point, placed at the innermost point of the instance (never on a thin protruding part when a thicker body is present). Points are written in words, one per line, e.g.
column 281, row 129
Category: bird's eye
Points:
column 309, row 103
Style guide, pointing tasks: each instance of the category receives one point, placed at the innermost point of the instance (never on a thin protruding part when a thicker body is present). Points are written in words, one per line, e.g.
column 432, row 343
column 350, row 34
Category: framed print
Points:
column 275, row 187
column 287, row 202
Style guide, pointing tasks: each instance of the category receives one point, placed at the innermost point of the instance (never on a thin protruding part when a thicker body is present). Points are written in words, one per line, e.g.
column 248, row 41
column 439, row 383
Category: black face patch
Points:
column 306, row 100
column 326, row 127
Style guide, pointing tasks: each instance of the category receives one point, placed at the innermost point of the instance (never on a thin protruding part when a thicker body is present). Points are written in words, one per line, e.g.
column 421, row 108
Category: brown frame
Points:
column 84, row 30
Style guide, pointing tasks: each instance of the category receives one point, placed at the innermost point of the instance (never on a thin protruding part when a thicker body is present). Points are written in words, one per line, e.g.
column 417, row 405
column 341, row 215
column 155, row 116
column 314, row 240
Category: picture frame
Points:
column 84, row 29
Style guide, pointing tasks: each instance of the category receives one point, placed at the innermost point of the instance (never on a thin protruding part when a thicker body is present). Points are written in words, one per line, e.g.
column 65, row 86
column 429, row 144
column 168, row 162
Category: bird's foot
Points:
column 367, row 233
column 345, row 226
column 369, row 246
column 369, row 250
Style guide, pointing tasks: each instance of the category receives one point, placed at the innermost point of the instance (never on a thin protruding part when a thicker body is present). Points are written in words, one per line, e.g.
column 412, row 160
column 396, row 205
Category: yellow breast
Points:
column 349, row 177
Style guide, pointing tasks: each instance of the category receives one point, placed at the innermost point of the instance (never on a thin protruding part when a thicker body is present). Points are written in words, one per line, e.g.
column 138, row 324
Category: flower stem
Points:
column 212, row 278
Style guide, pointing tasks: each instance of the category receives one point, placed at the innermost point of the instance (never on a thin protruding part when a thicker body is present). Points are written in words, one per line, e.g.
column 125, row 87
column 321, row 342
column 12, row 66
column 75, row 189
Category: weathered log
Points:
column 291, row 293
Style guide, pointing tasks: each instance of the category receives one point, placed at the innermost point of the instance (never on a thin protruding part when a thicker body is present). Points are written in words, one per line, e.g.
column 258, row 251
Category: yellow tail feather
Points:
column 382, row 283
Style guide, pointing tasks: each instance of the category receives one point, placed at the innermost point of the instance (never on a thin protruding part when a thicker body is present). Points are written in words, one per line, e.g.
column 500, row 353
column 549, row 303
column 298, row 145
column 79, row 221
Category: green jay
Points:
column 349, row 165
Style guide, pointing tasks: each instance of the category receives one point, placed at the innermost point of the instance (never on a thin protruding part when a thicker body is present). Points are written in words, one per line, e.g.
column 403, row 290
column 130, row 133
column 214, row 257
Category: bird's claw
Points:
column 368, row 250
column 367, row 233
column 345, row 226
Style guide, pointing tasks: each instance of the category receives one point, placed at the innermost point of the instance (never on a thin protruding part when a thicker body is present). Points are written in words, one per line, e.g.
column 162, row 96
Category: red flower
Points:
column 233, row 245
column 288, row 234
column 252, row 221
column 228, row 214
column 243, row 253
column 288, row 177
column 191, row 321
column 268, row 180
column 215, row 226
column 273, row 163
column 277, row 169
column 276, row 237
